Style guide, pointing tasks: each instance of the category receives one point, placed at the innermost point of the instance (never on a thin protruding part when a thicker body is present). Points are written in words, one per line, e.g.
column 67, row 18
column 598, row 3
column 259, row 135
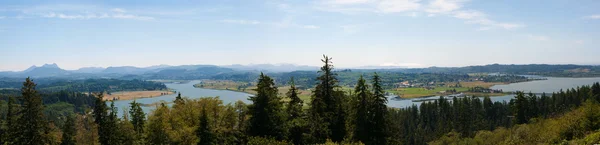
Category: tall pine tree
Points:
column 379, row 109
column 138, row 117
column 327, row 115
column 362, row 117
column 204, row 131
column 267, row 117
column 32, row 121
column 294, row 111
column 68, row 137
column 12, row 117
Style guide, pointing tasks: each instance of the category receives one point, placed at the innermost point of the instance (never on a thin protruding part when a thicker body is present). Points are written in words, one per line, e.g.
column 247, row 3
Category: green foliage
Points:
column 157, row 126
column 68, row 136
column 266, row 111
column 569, row 128
column 204, row 132
column 295, row 121
column 32, row 122
column 138, row 117
column 265, row 141
column 327, row 114
column 362, row 117
column 378, row 109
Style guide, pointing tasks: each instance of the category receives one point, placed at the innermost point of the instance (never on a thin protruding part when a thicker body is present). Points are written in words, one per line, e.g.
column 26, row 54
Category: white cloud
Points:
column 538, row 37
column 444, row 6
column 95, row 16
column 372, row 6
column 470, row 14
column 579, row 41
column 118, row 10
column 480, row 18
column 130, row 16
column 452, row 8
column 349, row 2
column 394, row 6
column 310, row 27
column 244, row 22
column 597, row 16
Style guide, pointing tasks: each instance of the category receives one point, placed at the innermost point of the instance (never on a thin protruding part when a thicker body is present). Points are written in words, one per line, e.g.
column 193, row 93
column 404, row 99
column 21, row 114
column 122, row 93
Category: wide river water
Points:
column 187, row 90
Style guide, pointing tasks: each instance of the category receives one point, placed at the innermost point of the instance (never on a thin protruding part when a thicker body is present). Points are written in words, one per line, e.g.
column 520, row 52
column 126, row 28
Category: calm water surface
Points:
column 547, row 86
column 187, row 90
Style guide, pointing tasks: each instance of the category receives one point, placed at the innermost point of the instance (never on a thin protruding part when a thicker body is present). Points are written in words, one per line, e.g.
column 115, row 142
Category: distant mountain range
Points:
column 208, row 71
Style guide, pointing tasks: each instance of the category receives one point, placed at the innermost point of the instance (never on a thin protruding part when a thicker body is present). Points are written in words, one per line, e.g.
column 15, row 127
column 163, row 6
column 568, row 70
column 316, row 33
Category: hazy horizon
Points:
column 410, row 33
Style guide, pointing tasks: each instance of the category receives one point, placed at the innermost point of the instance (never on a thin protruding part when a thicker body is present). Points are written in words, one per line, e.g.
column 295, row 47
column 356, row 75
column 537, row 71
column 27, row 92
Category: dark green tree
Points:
column 68, row 132
column 32, row 121
column 204, row 132
column 267, row 116
column 138, row 117
column 12, row 117
column 107, row 123
column 326, row 110
column 179, row 99
column 112, row 125
column 362, row 117
column 297, row 124
column 520, row 107
column 378, row 108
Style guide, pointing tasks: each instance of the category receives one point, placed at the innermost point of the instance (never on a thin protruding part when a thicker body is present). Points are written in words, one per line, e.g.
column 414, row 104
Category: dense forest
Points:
column 87, row 85
column 333, row 116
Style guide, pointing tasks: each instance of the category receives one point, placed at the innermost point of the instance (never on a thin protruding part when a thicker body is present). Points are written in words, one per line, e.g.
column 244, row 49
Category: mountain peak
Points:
column 53, row 65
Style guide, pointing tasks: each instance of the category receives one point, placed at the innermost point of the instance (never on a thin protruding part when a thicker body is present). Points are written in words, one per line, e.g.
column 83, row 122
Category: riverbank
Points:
column 130, row 95
column 304, row 94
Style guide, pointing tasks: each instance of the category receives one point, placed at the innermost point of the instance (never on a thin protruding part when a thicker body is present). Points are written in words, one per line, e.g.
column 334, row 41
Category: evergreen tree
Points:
column 267, row 117
column 112, row 125
column 138, row 117
column 179, row 100
column 107, row 123
column 204, row 131
column 294, row 106
column 326, row 109
column 12, row 116
column 379, row 109
column 294, row 112
column 68, row 137
column 521, row 106
column 33, row 124
column 362, row 118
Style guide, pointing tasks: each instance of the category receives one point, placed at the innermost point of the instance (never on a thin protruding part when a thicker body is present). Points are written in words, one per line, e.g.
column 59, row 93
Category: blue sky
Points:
column 413, row 33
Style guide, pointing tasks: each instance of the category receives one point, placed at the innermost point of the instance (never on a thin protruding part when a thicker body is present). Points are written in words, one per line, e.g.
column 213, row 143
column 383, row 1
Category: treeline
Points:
column 100, row 85
column 349, row 77
column 87, row 85
column 332, row 116
column 80, row 101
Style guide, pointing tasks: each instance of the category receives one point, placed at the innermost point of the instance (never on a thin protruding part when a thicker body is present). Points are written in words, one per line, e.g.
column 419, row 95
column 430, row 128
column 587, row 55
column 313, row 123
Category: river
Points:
column 187, row 90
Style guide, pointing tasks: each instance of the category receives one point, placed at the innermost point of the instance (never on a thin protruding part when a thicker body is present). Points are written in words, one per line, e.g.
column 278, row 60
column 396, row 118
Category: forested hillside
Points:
column 85, row 86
